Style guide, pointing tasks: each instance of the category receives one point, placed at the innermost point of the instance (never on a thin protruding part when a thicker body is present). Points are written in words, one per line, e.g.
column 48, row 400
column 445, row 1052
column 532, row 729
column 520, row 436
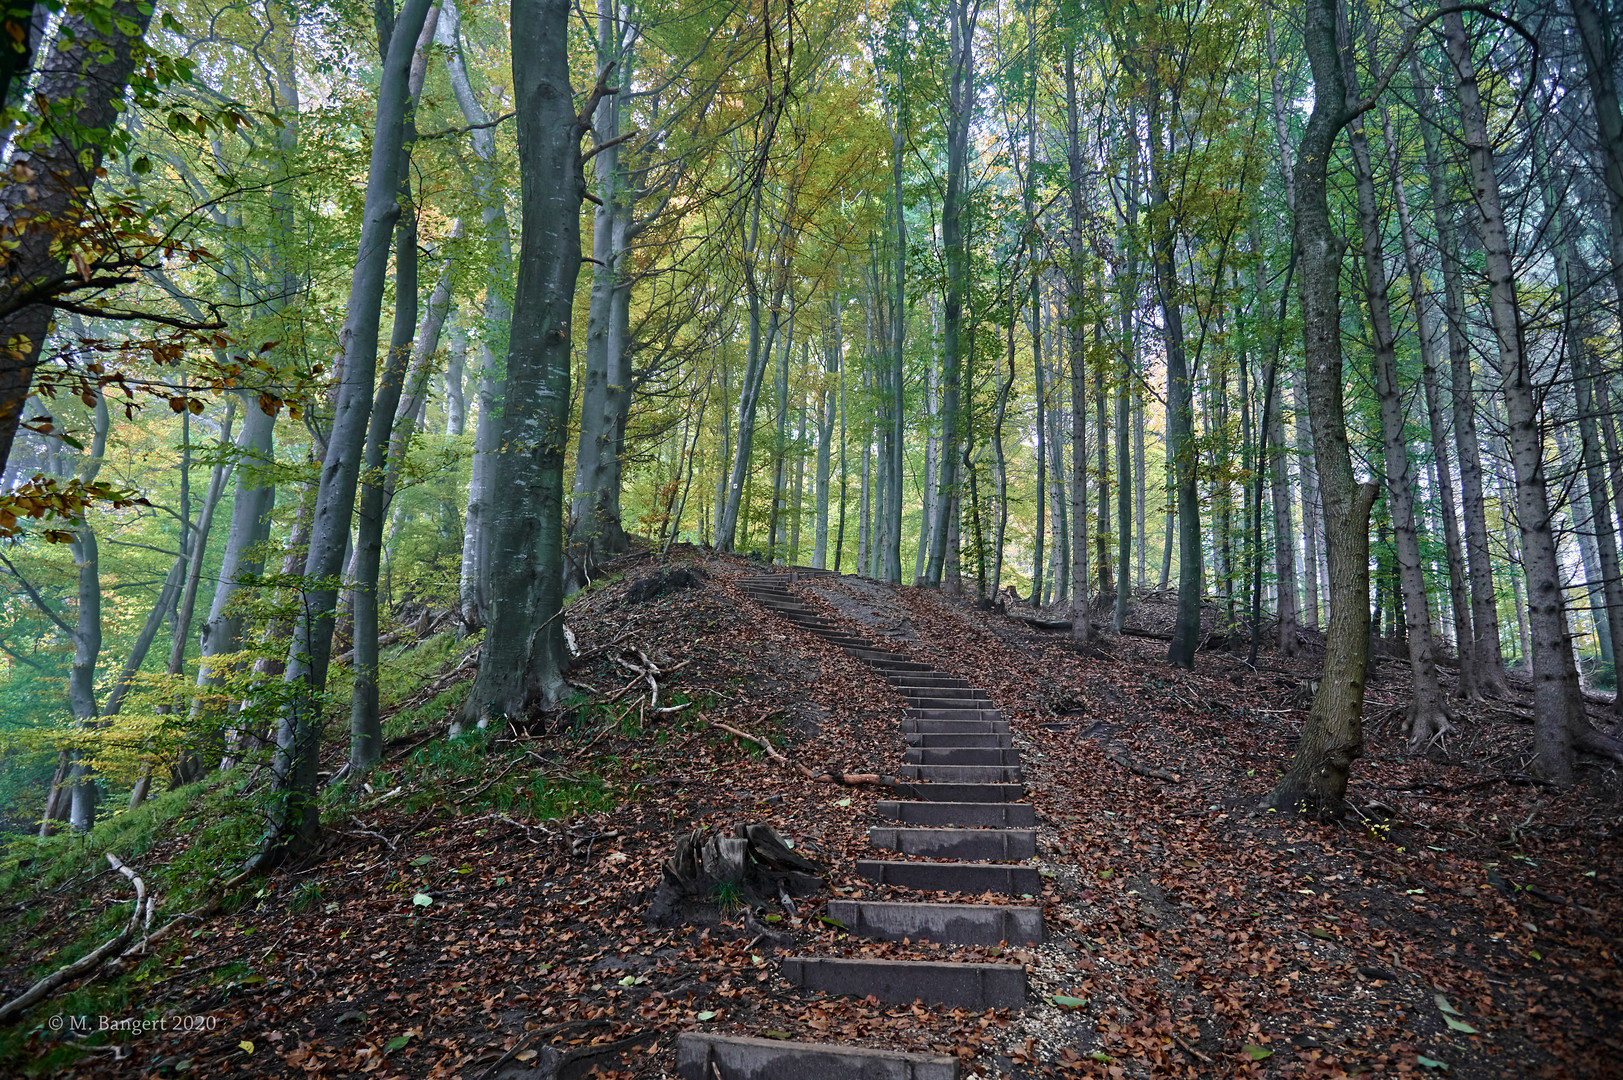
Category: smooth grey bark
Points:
column 1124, row 478
column 474, row 579
column 1312, row 508
column 244, row 554
column 456, row 374
column 961, row 17
column 932, row 450
column 596, row 531
column 776, row 518
column 1039, row 580
column 896, row 376
column 1000, row 464
column 365, row 729
column 82, row 83
column 419, row 376
column 1488, row 662
column 826, row 403
column 1139, row 494
column 294, row 817
column 1560, row 726
column 799, row 484
column 1332, row 738
column 82, row 792
column 187, row 766
column 1180, row 407
column 523, row 658
column 1307, row 613
column 1429, row 719
column 760, row 354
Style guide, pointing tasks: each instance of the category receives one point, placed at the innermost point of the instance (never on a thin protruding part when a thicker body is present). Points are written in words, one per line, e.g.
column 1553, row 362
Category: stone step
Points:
column 943, row 694
column 925, row 678
column 946, row 924
column 985, row 793
column 899, row 665
column 968, row 725
column 877, row 654
column 961, row 755
column 967, row 986
column 953, row 714
column 967, row 845
column 961, row 774
column 700, row 1056
column 961, row 877
column 933, row 704
column 995, row 814
column 959, row 738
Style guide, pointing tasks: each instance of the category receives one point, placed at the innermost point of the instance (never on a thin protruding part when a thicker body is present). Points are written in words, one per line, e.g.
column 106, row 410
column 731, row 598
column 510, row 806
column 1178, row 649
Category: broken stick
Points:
column 847, row 778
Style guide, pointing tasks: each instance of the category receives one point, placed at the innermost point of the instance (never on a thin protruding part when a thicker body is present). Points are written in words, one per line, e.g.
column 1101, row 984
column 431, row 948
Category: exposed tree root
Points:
column 139, row 917
column 1429, row 727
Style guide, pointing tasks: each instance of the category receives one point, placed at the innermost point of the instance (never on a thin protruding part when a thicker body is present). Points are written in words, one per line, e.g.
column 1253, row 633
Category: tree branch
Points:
column 39, row 601
column 448, row 132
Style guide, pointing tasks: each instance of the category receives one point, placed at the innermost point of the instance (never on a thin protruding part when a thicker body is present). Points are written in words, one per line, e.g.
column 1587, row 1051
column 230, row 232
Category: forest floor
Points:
column 1467, row 927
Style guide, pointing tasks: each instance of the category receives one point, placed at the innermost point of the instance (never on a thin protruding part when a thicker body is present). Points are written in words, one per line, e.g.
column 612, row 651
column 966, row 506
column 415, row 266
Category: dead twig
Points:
column 847, row 778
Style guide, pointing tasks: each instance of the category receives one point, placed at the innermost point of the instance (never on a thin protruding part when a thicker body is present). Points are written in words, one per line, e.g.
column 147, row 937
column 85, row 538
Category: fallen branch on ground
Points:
column 847, row 778
column 141, row 915
column 1117, row 753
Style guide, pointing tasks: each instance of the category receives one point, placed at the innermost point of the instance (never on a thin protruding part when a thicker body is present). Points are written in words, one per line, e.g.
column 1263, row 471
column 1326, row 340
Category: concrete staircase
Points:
column 958, row 799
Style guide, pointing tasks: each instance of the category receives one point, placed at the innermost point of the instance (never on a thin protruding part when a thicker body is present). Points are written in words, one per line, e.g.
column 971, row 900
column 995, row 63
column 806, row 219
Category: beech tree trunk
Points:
column 474, row 580
column 365, row 730
column 294, row 817
column 1180, row 408
column 596, row 531
column 523, row 660
column 962, row 16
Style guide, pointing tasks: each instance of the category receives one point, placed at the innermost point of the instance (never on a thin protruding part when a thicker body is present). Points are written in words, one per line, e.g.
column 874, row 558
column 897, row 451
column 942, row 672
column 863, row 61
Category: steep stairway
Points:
column 959, row 799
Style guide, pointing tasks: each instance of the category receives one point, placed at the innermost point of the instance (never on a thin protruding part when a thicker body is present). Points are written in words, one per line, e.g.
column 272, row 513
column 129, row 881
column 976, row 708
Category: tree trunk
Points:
column 81, row 90
column 83, row 793
column 1560, row 725
column 1332, row 738
column 365, row 730
column 524, row 659
column 1488, row 662
column 1428, row 717
column 1312, row 508
column 1600, row 60
column 244, row 554
column 1426, row 330
column 456, row 398
column 474, row 580
column 832, row 361
column 896, row 390
column 1181, row 453
column 596, row 531
column 294, row 818
column 961, row 15
column 1597, row 537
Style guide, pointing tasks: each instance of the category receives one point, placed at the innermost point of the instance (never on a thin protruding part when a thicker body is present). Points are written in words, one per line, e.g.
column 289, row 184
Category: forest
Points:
column 348, row 348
